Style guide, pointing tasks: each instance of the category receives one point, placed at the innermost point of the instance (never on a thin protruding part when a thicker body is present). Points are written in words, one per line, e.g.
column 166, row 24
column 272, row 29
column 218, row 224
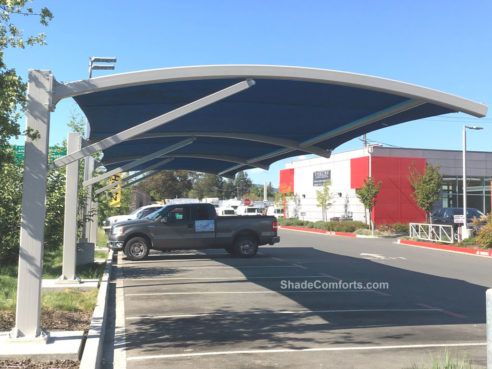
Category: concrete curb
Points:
column 461, row 250
column 329, row 233
column 92, row 355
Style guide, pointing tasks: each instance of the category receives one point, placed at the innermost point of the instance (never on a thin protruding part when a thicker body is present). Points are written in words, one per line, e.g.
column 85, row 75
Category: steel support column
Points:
column 28, row 311
column 71, row 201
column 91, row 235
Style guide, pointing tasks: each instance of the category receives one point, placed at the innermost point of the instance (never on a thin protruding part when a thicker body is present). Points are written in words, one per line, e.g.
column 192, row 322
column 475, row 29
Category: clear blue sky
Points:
column 441, row 44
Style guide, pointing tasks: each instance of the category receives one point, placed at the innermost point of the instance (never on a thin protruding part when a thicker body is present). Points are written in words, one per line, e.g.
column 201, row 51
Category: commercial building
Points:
column 395, row 204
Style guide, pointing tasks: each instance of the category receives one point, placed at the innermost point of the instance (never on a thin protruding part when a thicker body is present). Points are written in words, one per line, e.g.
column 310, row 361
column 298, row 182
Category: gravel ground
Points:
column 51, row 320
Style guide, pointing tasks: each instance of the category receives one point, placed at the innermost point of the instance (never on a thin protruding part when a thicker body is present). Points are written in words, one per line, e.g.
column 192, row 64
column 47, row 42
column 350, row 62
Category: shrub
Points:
column 320, row 225
column 401, row 228
column 392, row 228
column 484, row 235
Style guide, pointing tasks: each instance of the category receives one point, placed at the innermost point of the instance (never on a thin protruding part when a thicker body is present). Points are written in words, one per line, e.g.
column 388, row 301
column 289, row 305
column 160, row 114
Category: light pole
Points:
column 88, row 205
column 464, row 232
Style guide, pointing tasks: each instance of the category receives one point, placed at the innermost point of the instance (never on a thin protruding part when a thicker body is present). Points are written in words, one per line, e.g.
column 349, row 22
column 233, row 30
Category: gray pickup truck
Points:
column 192, row 226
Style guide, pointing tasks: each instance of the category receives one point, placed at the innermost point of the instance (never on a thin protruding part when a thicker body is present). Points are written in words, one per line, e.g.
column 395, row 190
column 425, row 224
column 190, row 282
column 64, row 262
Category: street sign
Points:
column 55, row 152
column 459, row 219
column 247, row 202
column 115, row 199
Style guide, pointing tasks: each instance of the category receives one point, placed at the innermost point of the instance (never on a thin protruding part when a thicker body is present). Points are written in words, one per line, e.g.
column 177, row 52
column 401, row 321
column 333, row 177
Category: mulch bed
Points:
column 51, row 320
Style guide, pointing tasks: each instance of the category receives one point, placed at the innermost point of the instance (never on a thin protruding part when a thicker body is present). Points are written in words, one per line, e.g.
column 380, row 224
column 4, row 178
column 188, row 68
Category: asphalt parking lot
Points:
column 206, row 309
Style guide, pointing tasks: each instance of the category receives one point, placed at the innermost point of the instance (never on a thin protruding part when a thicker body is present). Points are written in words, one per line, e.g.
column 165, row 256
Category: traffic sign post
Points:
column 115, row 200
column 459, row 219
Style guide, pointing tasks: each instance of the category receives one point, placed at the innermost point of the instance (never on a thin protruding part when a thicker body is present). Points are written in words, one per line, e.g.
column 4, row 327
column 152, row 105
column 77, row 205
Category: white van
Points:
column 275, row 211
column 249, row 210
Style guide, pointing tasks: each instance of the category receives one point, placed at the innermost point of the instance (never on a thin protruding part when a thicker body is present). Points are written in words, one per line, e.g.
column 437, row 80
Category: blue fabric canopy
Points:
column 313, row 113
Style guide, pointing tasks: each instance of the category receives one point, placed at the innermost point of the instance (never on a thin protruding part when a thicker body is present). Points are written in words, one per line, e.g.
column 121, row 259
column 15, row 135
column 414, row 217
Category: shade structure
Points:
column 289, row 111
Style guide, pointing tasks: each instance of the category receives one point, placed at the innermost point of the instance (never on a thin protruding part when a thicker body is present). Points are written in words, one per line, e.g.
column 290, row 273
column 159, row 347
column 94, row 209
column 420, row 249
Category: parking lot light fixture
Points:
column 97, row 59
column 464, row 233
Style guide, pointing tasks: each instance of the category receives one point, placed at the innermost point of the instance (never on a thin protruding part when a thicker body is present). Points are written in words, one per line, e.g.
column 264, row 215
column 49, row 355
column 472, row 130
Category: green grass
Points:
column 102, row 238
column 98, row 254
column 8, row 292
column 70, row 300
column 447, row 361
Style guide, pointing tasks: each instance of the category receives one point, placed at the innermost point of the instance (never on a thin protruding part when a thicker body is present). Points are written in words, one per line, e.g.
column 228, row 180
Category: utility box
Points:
column 85, row 253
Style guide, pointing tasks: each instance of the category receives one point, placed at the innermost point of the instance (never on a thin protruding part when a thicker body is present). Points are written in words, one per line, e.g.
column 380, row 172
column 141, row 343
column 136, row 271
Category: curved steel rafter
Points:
column 154, row 76
column 227, row 158
column 290, row 144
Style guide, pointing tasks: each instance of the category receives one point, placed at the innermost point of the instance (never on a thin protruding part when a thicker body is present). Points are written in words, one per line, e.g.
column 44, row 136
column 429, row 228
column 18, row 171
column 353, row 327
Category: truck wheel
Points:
column 136, row 248
column 245, row 247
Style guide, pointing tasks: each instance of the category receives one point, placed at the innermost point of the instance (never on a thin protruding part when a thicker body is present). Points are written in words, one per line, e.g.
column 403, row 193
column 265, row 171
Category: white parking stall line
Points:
column 234, row 266
column 316, row 349
column 232, row 279
column 245, row 292
column 286, row 312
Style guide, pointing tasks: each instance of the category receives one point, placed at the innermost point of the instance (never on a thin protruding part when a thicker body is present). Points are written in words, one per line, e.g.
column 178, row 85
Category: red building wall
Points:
column 394, row 202
column 286, row 184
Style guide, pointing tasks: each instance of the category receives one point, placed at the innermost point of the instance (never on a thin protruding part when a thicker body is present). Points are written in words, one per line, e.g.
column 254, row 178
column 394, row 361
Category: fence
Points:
column 432, row 232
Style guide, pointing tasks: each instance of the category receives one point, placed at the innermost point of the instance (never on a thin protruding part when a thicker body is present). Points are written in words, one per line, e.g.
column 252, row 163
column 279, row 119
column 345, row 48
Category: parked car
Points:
column 136, row 214
column 192, row 226
column 446, row 216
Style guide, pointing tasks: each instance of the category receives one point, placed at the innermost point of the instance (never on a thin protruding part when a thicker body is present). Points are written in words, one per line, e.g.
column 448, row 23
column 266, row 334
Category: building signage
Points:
column 320, row 177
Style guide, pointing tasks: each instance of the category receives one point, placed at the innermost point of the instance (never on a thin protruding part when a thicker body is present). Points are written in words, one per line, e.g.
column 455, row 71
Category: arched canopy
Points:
column 289, row 111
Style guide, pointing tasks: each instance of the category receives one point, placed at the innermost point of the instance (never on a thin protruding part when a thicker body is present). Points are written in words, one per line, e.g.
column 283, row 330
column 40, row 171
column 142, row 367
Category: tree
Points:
column 242, row 184
column 323, row 198
column 10, row 211
column 105, row 211
column 368, row 194
column 206, row 185
column 12, row 89
column 228, row 189
column 168, row 184
column 426, row 187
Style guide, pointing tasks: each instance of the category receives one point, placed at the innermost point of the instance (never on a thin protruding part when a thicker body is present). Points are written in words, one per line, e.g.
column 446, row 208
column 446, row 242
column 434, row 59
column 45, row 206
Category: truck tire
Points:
column 136, row 248
column 245, row 247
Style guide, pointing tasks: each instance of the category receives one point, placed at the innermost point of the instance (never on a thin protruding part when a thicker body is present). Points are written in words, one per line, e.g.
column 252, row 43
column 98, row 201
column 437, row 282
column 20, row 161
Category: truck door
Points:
column 204, row 226
column 174, row 229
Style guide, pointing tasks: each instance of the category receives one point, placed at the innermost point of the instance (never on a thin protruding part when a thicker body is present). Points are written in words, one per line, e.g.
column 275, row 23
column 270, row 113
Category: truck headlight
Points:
column 117, row 230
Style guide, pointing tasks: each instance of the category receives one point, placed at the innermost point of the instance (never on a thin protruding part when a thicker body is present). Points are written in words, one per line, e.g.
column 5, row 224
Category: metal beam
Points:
column 230, row 169
column 294, row 145
column 364, row 121
column 359, row 123
column 133, row 164
column 136, row 181
column 232, row 159
column 154, row 123
column 114, row 184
